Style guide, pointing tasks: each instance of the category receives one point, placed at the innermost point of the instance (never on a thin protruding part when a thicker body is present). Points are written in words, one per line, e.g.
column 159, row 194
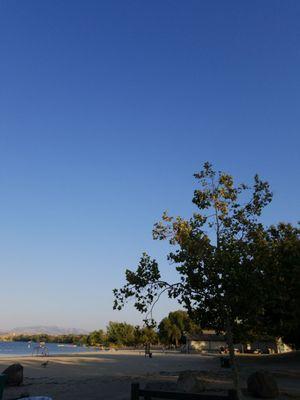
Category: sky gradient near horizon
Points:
column 107, row 108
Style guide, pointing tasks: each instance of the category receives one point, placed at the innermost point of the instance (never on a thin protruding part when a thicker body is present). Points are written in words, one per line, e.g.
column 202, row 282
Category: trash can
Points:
column 225, row 362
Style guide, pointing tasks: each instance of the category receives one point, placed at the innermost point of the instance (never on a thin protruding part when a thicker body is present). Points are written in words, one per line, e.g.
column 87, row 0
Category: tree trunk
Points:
column 232, row 358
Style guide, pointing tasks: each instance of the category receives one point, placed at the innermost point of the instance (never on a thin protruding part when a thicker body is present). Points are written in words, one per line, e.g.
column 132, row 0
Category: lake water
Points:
column 27, row 349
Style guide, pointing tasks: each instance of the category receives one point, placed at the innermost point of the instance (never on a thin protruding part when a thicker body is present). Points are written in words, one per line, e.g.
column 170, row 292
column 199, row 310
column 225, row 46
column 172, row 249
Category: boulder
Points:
column 190, row 381
column 14, row 375
column 262, row 384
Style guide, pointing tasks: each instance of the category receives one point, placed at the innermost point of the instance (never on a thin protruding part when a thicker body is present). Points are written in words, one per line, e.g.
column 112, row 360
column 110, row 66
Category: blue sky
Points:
column 107, row 108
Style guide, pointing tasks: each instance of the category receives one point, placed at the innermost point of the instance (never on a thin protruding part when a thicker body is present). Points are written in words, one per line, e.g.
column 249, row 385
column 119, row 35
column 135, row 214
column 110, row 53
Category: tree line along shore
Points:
column 173, row 331
column 170, row 331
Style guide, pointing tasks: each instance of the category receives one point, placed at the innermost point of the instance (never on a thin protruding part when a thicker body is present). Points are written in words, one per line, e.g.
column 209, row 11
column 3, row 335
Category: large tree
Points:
column 277, row 254
column 215, row 255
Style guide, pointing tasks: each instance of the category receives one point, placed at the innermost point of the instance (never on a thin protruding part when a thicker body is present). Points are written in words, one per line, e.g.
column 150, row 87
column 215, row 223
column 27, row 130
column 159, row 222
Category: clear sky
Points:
column 107, row 108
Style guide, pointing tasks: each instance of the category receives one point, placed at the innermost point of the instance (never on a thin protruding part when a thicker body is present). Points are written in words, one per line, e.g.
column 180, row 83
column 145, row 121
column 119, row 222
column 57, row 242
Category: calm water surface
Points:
column 27, row 349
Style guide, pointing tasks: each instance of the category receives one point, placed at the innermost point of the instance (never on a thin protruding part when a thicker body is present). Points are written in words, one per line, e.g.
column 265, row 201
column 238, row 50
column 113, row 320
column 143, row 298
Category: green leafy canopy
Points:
column 219, row 254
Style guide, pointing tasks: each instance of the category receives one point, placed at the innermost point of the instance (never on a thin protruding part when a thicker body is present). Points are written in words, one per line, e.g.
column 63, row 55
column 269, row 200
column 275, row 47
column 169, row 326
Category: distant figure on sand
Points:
column 44, row 364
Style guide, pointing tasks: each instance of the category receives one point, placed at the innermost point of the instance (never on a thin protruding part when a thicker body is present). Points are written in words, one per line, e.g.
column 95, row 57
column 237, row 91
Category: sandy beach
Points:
column 108, row 375
column 99, row 375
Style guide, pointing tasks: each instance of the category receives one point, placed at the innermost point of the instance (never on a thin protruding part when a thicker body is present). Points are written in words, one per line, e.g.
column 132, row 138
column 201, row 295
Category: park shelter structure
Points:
column 206, row 341
column 209, row 341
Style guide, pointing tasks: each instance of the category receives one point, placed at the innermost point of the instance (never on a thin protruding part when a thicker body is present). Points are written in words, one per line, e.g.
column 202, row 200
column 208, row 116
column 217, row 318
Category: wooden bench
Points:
column 3, row 379
column 136, row 393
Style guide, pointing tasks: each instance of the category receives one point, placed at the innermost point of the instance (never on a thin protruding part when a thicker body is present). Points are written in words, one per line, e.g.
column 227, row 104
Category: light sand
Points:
column 108, row 375
column 102, row 375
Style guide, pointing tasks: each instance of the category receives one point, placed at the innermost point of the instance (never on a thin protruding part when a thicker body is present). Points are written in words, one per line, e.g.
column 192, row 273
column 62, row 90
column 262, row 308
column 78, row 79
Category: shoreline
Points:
column 103, row 353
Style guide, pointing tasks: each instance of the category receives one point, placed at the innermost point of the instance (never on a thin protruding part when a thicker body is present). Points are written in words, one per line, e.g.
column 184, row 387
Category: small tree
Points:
column 173, row 328
column 148, row 335
column 169, row 333
column 96, row 338
column 120, row 333
column 219, row 278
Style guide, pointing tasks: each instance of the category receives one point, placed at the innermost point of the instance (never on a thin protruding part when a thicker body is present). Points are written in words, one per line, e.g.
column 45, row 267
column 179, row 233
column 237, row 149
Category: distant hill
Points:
column 50, row 330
